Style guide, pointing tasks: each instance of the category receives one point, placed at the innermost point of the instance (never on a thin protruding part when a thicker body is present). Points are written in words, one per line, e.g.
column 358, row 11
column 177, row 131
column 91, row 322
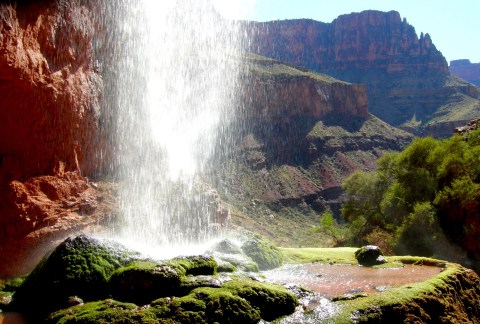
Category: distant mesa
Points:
column 466, row 70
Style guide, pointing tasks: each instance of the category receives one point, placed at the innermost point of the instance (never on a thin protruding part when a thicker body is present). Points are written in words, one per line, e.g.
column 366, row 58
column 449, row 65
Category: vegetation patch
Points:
column 79, row 266
column 425, row 197
column 266, row 255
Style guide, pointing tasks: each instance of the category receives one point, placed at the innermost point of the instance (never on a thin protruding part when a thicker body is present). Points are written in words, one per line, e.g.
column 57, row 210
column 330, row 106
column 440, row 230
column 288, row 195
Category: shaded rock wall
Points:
column 51, row 135
column 466, row 70
column 50, row 90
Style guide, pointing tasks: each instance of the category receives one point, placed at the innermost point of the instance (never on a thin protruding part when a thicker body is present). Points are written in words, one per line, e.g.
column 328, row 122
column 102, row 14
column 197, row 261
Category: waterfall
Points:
column 175, row 74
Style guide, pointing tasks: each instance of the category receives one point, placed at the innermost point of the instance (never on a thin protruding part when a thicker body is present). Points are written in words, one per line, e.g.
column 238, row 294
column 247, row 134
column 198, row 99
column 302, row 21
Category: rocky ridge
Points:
column 466, row 70
column 407, row 78
column 290, row 156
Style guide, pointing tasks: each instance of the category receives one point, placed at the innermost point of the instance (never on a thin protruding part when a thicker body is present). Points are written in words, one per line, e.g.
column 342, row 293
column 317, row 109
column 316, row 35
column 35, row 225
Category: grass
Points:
column 279, row 70
column 342, row 255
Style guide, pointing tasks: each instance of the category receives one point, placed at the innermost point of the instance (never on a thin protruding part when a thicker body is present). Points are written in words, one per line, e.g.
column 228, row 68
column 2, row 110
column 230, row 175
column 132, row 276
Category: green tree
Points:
column 420, row 232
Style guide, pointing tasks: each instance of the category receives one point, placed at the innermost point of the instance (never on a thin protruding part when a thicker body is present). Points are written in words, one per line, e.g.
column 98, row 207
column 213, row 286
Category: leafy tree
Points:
column 420, row 232
column 432, row 184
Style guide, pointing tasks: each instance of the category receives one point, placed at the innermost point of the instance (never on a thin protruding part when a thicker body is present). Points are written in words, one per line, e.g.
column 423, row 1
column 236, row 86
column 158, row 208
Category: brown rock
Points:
column 407, row 78
column 50, row 133
column 50, row 91
column 466, row 70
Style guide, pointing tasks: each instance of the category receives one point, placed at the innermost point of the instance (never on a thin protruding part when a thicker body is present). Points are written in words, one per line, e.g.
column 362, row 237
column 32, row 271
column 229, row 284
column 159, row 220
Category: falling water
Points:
column 175, row 80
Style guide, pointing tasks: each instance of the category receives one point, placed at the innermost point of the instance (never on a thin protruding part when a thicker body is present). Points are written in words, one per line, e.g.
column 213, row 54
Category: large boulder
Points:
column 79, row 266
column 369, row 255
column 266, row 255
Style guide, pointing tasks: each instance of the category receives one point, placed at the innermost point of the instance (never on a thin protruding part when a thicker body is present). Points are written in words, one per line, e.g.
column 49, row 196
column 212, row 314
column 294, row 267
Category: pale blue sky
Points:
column 454, row 25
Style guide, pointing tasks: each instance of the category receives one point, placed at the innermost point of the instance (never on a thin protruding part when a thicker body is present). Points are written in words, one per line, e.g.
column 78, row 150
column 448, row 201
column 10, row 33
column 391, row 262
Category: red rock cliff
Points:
column 466, row 70
column 407, row 78
column 49, row 123
column 50, row 90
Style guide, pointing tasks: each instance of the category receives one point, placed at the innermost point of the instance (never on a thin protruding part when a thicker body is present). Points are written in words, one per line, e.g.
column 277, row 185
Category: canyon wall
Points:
column 51, row 134
column 466, row 70
column 407, row 78
column 298, row 134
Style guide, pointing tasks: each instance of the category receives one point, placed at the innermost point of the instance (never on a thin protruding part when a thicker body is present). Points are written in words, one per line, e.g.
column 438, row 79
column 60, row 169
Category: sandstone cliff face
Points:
column 466, row 70
column 49, row 123
column 48, row 82
column 407, row 78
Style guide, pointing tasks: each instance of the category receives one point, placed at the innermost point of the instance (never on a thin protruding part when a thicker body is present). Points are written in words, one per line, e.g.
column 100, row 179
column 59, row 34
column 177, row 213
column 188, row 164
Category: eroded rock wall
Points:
column 466, row 70
column 406, row 76
column 51, row 135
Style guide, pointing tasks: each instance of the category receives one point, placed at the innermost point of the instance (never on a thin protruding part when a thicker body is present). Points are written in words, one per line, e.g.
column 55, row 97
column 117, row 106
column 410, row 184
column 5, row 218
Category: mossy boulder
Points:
column 196, row 265
column 271, row 301
column 105, row 311
column 77, row 281
column 79, row 266
column 141, row 282
column 265, row 254
column 369, row 255
column 243, row 301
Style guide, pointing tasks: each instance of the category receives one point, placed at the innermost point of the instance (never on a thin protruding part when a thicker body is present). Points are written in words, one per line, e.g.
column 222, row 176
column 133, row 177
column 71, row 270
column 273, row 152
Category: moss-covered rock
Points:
column 196, row 265
column 226, row 246
column 105, row 311
column 225, row 266
column 141, row 282
column 243, row 301
column 266, row 255
column 79, row 266
column 370, row 255
column 271, row 301
column 75, row 283
column 239, row 261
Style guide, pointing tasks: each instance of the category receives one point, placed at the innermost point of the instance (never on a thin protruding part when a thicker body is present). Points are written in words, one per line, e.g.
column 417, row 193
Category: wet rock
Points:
column 142, row 282
column 227, row 246
column 79, row 266
column 239, row 261
column 370, row 255
column 179, row 290
column 266, row 255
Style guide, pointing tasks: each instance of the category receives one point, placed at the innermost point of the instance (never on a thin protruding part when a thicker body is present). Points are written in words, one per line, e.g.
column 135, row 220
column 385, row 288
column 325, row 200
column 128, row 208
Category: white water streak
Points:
column 176, row 85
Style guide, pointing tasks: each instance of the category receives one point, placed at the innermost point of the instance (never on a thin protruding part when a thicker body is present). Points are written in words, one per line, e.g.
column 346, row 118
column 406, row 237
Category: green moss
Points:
column 13, row 284
column 399, row 303
column 266, row 255
column 272, row 301
column 343, row 255
column 142, row 282
column 79, row 266
column 103, row 312
column 224, row 266
column 196, row 265
column 5, row 299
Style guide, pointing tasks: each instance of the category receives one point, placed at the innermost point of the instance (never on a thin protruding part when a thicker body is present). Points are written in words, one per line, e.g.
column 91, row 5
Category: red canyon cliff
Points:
column 49, row 121
column 466, row 70
column 407, row 77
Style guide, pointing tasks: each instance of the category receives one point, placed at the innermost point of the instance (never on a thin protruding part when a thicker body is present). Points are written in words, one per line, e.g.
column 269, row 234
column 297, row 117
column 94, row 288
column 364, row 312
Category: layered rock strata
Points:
column 407, row 78
column 466, row 70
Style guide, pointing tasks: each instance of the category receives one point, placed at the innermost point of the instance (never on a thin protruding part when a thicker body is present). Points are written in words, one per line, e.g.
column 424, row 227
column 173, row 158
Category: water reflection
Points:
column 334, row 280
